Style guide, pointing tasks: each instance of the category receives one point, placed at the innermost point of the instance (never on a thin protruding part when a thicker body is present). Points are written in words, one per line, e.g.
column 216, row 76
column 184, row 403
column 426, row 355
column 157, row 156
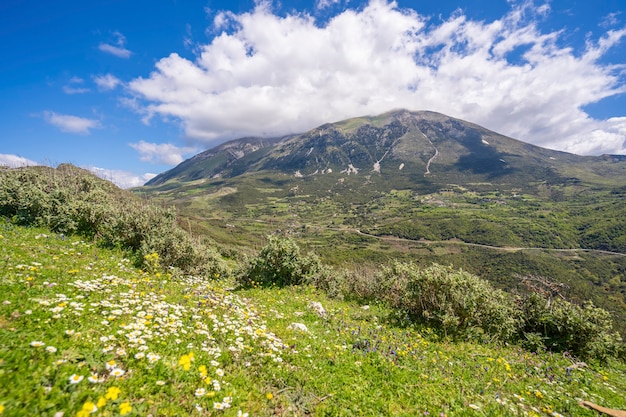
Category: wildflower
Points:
column 219, row 372
column 113, row 393
column 269, row 395
column 101, row 402
column 1, row 408
column 474, row 406
column 153, row 357
column 241, row 414
column 88, row 408
column 51, row 349
column 218, row 406
column 160, row 383
column 200, row 392
column 37, row 343
column 185, row 361
column 117, row 372
column 110, row 365
column 203, row 371
column 75, row 379
column 94, row 379
column 125, row 408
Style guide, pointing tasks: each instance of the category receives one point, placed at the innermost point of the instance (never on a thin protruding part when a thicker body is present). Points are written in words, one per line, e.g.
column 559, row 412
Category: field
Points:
column 85, row 332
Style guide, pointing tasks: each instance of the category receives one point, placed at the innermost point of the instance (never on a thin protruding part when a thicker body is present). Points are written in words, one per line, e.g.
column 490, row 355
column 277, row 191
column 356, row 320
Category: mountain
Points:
column 399, row 149
column 418, row 186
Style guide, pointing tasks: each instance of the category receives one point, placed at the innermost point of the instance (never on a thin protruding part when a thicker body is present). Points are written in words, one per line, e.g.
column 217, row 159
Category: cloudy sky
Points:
column 129, row 89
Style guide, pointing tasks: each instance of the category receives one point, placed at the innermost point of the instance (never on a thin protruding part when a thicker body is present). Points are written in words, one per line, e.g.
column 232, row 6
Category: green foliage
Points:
column 559, row 325
column 280, row 263
column 459, row 303
column 70, row 200
column 81, row 327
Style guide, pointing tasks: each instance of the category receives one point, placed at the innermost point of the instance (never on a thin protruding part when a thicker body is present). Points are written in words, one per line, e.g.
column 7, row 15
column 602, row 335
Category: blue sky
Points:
column 129, row 89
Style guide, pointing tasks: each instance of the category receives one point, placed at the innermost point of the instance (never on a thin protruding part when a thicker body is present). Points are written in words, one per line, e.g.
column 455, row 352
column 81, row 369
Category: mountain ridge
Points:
column 429, row 147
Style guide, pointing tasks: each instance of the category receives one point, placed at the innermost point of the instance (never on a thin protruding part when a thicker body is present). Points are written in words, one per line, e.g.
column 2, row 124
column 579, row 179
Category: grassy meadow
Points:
column 85, row 332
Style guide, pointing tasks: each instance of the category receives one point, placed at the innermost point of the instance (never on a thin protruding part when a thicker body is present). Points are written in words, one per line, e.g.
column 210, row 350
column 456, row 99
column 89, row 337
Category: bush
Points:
column 280, row 263
column 71, row 200
column 559, row 325
column 459, row 303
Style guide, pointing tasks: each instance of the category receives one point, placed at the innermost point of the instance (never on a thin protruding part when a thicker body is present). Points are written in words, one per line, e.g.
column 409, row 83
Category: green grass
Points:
column 72, row 312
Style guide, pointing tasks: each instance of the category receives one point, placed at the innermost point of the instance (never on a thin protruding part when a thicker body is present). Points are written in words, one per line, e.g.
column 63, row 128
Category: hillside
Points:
column 85, row 333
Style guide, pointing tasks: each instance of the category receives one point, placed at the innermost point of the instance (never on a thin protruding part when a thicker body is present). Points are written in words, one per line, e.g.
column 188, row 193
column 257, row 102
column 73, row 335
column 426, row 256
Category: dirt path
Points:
column 479, row 245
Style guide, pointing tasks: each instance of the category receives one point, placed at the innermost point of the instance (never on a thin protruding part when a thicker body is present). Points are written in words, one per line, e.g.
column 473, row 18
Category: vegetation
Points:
column 280, row 263
column 86, row 332
column 70, row 200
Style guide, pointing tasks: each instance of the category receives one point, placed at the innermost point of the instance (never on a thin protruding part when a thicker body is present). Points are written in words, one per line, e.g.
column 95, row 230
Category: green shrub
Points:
column 459, row 303
column 559, row 325
column 71, row 200
column 280, row 263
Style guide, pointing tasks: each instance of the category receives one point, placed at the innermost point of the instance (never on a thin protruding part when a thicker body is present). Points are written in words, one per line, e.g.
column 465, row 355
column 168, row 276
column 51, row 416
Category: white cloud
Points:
column 74, row 86
column 322, row 4
column 107, row 81
column 122, row 179
column 270, row 75
column 15, row 161
column 163, row 153
column 69, row 123
column 118, row 48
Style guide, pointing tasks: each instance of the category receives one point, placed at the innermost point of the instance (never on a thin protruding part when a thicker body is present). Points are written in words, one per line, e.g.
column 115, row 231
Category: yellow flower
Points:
column 112, row 393
column 87, row 409
column 1, row 409
column 185, row 361
column 101, row 402
column 125, row 408
column 203, row 371
column 269, row 395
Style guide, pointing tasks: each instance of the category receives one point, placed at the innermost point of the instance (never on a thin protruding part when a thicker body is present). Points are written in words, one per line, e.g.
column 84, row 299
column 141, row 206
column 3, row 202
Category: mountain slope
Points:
column 410, row 149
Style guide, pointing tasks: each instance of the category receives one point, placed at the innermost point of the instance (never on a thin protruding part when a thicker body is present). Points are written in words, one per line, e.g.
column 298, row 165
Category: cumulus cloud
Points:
column 69, row 123
column 122, row 179
column 117, row 48
column 106, row 82
column 265, row 74
column 15, row 161
column 160, row 153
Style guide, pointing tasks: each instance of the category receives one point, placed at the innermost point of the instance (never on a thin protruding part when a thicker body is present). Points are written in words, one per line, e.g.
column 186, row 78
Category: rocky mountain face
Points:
column 402, row 147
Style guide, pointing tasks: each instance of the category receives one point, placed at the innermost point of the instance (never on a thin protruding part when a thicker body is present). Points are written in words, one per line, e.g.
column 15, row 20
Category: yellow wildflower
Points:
column 113, row 393
column 269, row 395
column 101, row 402
column 125, row 408
column 185, row 361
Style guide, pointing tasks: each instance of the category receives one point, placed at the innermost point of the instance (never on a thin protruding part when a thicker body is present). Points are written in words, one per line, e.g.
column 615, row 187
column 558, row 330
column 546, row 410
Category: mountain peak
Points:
column 403, row 147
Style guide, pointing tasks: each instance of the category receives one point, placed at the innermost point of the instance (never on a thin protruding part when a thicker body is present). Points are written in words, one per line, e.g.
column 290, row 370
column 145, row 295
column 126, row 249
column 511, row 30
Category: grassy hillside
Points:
column 108, row 306
column 83, row 331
